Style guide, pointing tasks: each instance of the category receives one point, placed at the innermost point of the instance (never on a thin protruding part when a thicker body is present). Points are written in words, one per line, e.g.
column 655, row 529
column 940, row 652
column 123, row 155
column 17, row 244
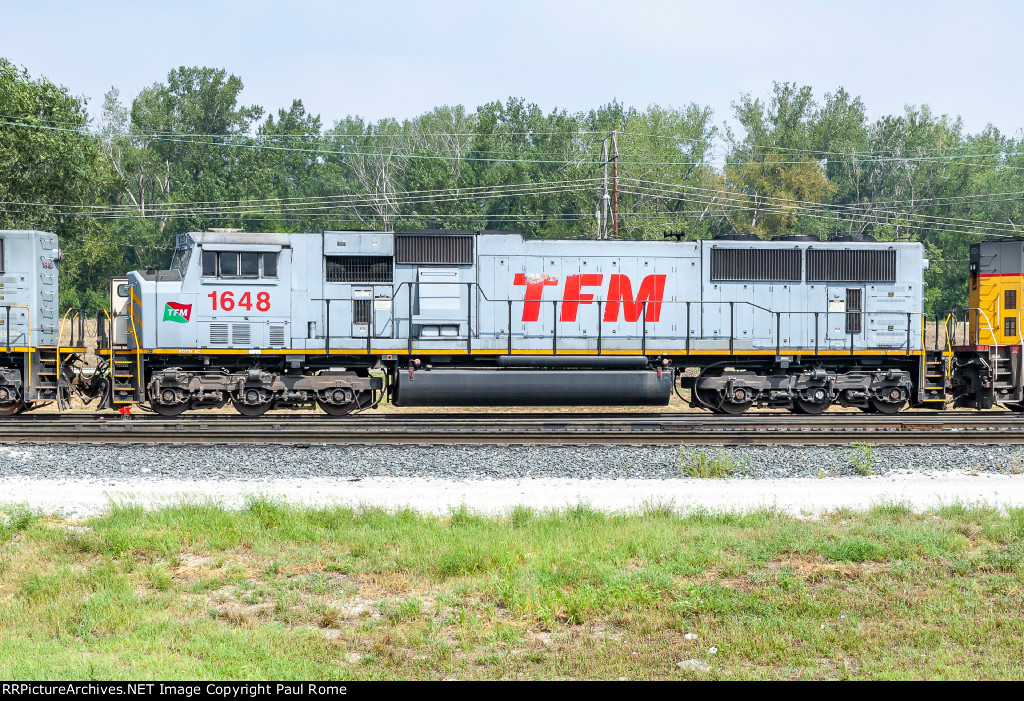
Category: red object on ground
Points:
column 125, row 411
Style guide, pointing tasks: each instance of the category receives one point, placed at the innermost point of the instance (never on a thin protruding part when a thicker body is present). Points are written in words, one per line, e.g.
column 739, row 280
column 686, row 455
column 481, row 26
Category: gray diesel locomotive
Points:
column 33, row 365
column 491, row 318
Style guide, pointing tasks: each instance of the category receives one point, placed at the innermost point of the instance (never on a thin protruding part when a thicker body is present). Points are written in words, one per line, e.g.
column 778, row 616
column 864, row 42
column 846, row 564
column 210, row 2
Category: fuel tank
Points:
column 520, row 387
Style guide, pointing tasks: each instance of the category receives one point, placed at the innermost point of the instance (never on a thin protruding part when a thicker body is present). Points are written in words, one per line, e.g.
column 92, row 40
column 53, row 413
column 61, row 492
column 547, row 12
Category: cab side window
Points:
column 249, row 265
column 228, row 264
column 209, row 264
column 269, row 265
column 231, row 264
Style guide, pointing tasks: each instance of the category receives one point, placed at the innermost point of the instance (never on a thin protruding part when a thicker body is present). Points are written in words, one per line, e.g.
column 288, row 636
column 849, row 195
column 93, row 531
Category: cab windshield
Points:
column 180, row 260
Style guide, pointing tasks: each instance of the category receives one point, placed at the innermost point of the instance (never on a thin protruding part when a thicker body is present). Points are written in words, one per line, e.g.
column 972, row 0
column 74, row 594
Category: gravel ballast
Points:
column 80, row 481
column 491, row 462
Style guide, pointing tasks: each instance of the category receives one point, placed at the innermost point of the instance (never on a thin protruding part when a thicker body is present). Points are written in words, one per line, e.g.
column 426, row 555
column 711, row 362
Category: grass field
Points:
column 198, row 591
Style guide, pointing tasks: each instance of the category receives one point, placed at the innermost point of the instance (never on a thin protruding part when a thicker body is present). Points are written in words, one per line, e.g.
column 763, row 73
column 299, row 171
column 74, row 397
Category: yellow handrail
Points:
column 110, row 339
column 138, row 346
column 110, row 347
column 949, row 344
column 60, row 334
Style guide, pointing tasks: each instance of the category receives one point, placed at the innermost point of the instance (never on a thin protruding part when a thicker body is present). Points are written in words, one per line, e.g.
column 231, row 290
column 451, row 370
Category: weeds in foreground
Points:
column 273, row 590
column 15, row 518
column 862, row 458
column 702, row 463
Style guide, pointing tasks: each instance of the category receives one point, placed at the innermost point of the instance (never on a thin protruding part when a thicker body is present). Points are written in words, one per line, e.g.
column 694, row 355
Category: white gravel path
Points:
column 79, row 498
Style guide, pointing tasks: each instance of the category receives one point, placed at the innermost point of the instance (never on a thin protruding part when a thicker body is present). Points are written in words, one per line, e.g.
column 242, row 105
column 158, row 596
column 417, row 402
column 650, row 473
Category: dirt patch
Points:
column 810, row 569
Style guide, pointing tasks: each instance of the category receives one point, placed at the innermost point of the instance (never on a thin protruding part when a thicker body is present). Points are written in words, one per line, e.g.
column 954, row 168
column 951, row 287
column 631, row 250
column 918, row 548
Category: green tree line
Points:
column 186, row 155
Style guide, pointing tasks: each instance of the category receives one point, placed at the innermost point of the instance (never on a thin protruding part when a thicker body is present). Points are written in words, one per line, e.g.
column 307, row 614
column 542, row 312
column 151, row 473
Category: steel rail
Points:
column 636, row 429
column 702, row 417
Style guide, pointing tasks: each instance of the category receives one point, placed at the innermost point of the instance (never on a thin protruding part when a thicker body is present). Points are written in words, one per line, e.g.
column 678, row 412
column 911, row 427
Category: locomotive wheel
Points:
column 711, row 399
column 734, row 408
column 250, row 409
column 820, row 402
column 337, row 409
column 727, row 407
column 169, row 409
column 803, row 406
column 886, row 407
column 11, row 409
column 362, row 400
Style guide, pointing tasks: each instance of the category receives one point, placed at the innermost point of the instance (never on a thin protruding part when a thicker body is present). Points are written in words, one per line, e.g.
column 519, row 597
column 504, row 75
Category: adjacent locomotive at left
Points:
column 33, row 367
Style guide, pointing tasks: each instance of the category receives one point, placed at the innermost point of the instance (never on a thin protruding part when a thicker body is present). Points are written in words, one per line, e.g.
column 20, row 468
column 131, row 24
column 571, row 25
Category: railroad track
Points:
column 999, row 428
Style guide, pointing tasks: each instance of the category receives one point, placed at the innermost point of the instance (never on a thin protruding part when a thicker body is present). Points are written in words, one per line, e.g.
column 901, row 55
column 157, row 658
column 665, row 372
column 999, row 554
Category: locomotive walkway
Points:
column 975, row 428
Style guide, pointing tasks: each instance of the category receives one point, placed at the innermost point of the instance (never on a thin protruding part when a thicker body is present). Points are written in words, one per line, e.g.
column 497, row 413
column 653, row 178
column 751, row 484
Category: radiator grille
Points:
column 854, row 306
column 756, row 264
column 361, row 311
column 359, row 269
column 277, row 334
column 241, row 334
column 850, row 266
column 420, row 248
column 218, row 334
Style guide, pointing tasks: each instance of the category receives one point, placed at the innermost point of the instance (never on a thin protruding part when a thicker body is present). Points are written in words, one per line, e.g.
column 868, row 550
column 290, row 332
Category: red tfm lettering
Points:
column 620, row 291
column 535, row 284
column 573, row 298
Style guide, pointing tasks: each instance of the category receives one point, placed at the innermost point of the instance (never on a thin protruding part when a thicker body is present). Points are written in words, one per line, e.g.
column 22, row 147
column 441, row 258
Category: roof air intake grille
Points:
column 824, row 265
column 420, row 249
column 756, row 264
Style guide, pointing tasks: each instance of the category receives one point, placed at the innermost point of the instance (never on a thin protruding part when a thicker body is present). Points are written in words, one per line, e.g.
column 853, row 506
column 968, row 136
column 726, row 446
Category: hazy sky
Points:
column 378, row 59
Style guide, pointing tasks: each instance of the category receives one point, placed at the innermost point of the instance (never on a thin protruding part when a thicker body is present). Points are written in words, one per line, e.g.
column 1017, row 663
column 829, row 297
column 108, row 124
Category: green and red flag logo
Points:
column 178, row 313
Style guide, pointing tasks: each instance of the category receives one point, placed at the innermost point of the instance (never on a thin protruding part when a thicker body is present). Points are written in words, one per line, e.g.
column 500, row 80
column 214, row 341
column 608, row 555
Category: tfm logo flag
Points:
column 178, row 313
column 619, row 294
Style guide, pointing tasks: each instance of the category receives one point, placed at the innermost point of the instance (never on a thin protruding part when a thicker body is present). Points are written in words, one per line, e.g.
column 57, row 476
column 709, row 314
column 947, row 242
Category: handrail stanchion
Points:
column 687, row 328
column 410, row 322
column 643, row 341
column 554, row 327
column 909, row 314
column 600, row 317
column 469, row 318
column 778, row 334
column 327, row 330
column 510, row 327
column 816, row 326
column 731, row 326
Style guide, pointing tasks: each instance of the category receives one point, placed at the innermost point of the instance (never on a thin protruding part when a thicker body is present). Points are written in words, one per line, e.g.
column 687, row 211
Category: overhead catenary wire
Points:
column 896, row 154
column 582, row 160
column 853, row 209
column 739, row 205
column 586, row 181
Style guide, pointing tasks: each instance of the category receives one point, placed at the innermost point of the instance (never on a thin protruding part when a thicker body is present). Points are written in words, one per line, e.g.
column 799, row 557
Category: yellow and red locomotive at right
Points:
column 986, row 366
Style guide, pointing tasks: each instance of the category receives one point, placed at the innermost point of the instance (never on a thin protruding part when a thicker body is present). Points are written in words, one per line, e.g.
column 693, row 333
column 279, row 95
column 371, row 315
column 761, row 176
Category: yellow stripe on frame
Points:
column 520, row 351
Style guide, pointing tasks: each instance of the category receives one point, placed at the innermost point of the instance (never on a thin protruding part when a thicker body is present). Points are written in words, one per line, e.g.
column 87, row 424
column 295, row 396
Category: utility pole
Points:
column 603, row 225
column 615, row 185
